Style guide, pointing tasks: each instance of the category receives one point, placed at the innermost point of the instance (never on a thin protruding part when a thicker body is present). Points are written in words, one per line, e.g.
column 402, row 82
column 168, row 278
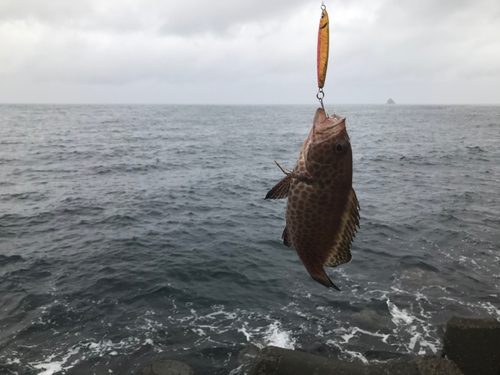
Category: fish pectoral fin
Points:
column 286, row 240
column 339, row 253
column 280, row 190
column 284, row 170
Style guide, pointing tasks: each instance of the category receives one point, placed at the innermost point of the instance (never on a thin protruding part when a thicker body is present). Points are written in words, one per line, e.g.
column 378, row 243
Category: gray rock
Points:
column 278, row 361
column 382, row 355
column 369, row 319
column 248, row 354
column 416, row 277
column 474, row 345
column 390, row 101
column 168, row 367
column 246, row 357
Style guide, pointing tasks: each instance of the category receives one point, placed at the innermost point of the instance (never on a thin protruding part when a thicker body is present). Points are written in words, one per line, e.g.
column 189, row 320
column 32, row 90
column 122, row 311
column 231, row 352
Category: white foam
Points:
column 347, row 337
column 220, row 311
column 383, row 336
column 277, row 336
column 104, row 347
column 237, row 370
column 419, row 329
column 243, row 330
column 152, row 325
column 199, row 331
column 351, row 353
column 419, row 338
column 357, row 355
column 492, row 310
column 488, row 306
column 399, row 316
column 50, row 366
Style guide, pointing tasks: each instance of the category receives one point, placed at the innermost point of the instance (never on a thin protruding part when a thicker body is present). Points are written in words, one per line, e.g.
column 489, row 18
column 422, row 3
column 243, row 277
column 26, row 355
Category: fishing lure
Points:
column 323, row 45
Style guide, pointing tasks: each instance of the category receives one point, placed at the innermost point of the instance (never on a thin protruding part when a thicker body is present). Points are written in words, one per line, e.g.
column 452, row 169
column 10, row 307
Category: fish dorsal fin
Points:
column 284, row 170
column 280, row 190
column 339, row 252
column 286, row 240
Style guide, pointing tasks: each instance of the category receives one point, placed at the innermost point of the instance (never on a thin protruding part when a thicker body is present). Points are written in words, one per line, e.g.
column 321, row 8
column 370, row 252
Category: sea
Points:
column 135, row 233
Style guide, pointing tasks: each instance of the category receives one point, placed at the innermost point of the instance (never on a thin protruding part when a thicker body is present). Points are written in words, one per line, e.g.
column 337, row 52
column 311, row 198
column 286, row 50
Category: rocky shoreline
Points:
column 471, row 347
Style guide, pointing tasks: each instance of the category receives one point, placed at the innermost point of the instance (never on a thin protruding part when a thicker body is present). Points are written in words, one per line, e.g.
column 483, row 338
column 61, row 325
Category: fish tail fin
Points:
column 320, row 276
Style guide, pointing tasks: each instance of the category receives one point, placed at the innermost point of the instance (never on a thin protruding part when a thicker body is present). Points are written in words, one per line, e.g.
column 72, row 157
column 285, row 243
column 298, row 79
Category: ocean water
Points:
column 130, row 234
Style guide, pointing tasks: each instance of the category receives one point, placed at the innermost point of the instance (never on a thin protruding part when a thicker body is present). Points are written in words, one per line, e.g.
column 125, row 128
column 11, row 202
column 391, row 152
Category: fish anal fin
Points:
column 280, row 190
column 339, row 253
column 286, row 240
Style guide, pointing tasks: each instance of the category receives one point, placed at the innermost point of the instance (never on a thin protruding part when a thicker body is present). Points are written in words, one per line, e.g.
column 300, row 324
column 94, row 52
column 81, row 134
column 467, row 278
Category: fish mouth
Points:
column 328, row 125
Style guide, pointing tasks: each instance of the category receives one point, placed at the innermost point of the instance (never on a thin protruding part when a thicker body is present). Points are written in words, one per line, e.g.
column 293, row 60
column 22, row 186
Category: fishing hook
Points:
column 320, row 95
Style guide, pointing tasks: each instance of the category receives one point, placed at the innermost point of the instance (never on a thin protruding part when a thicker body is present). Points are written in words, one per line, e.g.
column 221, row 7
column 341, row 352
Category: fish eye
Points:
column 339, row 148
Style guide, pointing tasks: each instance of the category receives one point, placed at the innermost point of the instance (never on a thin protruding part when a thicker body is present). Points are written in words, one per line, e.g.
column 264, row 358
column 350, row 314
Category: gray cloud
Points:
column 254, row 52
column 167, row 17
column 219, row 16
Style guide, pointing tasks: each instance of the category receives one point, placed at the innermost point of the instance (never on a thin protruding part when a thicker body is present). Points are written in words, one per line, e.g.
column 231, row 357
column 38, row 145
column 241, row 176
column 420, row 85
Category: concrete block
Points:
column 168, row 367
column 474, row 345
column 432, row 365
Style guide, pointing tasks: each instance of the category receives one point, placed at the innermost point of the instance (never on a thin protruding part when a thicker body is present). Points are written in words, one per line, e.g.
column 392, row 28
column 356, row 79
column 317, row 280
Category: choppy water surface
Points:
column 136, row 233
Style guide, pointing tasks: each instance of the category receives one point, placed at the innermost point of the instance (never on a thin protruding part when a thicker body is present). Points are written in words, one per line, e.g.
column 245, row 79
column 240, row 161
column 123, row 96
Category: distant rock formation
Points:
column 390, row 101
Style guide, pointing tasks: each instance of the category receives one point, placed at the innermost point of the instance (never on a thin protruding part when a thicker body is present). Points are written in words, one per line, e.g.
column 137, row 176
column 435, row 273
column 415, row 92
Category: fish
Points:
column 322, row 211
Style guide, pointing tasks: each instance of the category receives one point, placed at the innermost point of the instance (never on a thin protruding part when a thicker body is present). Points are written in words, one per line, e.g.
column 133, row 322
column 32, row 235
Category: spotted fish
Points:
column 322, row 212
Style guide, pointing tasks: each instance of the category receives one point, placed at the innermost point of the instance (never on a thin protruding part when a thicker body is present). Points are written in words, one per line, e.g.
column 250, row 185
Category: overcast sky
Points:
column 248, row 51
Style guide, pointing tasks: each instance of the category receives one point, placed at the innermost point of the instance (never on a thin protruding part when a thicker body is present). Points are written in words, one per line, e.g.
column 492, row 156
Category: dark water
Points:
column 136, row 233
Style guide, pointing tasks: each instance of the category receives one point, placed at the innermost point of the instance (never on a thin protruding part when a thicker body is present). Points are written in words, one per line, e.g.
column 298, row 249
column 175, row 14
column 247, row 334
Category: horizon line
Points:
column 249, row 104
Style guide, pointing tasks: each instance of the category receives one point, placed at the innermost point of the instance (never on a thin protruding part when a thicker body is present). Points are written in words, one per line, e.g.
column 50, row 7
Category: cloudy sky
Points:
column 248, row 51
